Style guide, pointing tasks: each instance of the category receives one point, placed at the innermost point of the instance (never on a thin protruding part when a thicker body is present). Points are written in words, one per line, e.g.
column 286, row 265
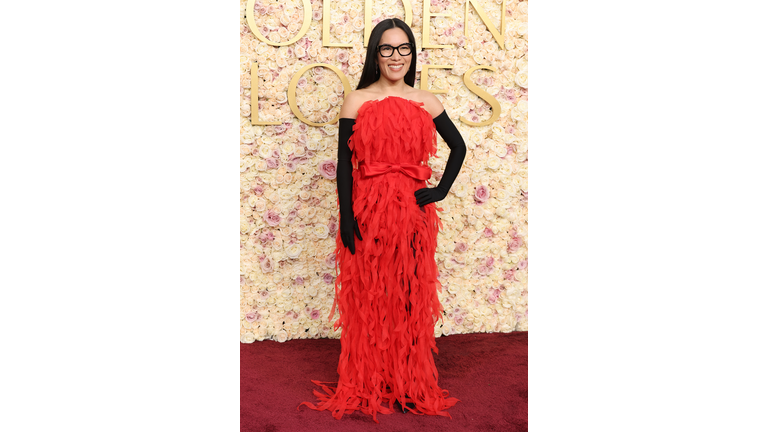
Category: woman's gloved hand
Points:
column 348, row 229
column 429, row 195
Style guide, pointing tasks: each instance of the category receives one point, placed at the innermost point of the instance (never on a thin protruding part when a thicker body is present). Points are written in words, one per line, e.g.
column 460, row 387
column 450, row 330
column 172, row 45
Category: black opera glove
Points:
column 348, row 227
column 452, row 137
column 429, row 195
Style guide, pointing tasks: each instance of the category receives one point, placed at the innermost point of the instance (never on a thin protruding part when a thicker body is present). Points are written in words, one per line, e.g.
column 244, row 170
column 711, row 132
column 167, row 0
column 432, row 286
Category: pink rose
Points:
column 315, row 314
column 488, row 232
column 458, row 319
column 330, row 260
column 264, row 294
column 272, row 218
column 332, row 226
column 509, row 274
column 523, row 264
column 250, row 317
column 482, row 270
column 489, row 261
column 299, row 280
column 342, row 56
column 291, row 165
column 514, row 244
column 267, row 266
column 482, row 194
column 273, row 163
column 327, row 278
column 258, row 190
column 327, row 169
column 291, row 216
column 461, row 247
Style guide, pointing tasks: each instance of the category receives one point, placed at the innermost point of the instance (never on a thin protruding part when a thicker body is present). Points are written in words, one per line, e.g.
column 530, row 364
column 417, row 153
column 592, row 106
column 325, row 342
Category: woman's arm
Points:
column 452, row 137
column 348, row 227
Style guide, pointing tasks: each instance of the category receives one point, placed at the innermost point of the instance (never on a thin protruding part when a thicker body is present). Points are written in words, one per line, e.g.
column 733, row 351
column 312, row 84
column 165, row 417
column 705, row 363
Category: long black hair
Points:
column 370, row 71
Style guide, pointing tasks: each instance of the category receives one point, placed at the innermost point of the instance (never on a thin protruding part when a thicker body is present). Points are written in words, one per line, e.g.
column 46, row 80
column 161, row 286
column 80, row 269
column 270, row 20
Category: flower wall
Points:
column 288, row 210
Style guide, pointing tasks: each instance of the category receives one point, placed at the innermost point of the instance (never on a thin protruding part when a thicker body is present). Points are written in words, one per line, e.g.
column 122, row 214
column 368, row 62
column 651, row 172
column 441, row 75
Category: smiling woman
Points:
column 388, row 223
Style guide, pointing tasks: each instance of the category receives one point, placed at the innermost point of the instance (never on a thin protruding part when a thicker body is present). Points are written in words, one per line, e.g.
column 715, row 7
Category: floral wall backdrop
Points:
column 288, row 211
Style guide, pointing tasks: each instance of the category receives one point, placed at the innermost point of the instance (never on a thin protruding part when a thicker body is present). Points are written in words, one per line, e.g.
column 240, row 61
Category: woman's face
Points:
column 394, row 68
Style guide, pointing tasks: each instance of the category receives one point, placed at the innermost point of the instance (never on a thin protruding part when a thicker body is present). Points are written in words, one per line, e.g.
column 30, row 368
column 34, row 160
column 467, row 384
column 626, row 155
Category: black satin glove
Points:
column 452, row 137
column 429, row 195
column 348, row 228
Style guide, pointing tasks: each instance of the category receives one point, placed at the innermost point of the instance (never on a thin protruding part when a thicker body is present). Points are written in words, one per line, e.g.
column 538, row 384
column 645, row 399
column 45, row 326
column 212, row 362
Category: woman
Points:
column 387, row 285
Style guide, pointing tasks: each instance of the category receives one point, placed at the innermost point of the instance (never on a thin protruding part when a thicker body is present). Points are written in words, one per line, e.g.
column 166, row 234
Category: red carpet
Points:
column 487, row 372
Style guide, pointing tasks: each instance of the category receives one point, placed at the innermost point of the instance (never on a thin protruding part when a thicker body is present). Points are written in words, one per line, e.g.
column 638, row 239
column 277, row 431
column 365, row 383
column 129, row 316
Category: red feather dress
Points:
column 387, row 291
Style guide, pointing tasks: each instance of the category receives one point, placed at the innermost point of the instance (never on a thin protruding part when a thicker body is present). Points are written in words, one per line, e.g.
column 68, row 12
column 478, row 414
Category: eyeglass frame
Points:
column 378, row 49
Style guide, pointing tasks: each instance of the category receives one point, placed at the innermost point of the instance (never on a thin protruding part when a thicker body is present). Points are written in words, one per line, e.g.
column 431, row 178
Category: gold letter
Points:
column 255, row 30
column 295, row 81
column 425, row 43
column 327, row 27
column 499, row 36
column 495, row 105
column 368, row 12
column 424, row 84
column 255, row 97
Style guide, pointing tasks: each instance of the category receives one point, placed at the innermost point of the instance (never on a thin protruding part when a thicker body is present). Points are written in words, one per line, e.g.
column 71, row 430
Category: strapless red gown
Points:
column 387, row 291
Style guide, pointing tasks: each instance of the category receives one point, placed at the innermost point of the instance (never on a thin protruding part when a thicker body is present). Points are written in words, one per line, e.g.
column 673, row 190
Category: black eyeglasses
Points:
column 387, row 50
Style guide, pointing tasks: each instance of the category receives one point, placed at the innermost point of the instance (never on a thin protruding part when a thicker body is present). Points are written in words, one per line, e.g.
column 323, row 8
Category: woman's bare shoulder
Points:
column 353, row 101
column 431, row 103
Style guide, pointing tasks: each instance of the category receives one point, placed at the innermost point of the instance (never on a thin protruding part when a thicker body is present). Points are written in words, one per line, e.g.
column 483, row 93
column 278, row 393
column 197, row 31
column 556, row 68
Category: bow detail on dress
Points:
column 418, row 172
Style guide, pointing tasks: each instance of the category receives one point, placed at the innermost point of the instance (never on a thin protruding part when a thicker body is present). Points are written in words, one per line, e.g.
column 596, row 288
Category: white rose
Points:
column 286, row 150
column 247, row 337
column 521, row 79
column 277, row 277
column 286, row 194
column 493, row 162
column 287, row 293
column 521, row 27
column 522, row 105
column 259, row 204
column 281, row 336
column 265, row 151
column 321, row 231
column 293, row 251
column 246, row 137
column 446, row 328
column 460, row 190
